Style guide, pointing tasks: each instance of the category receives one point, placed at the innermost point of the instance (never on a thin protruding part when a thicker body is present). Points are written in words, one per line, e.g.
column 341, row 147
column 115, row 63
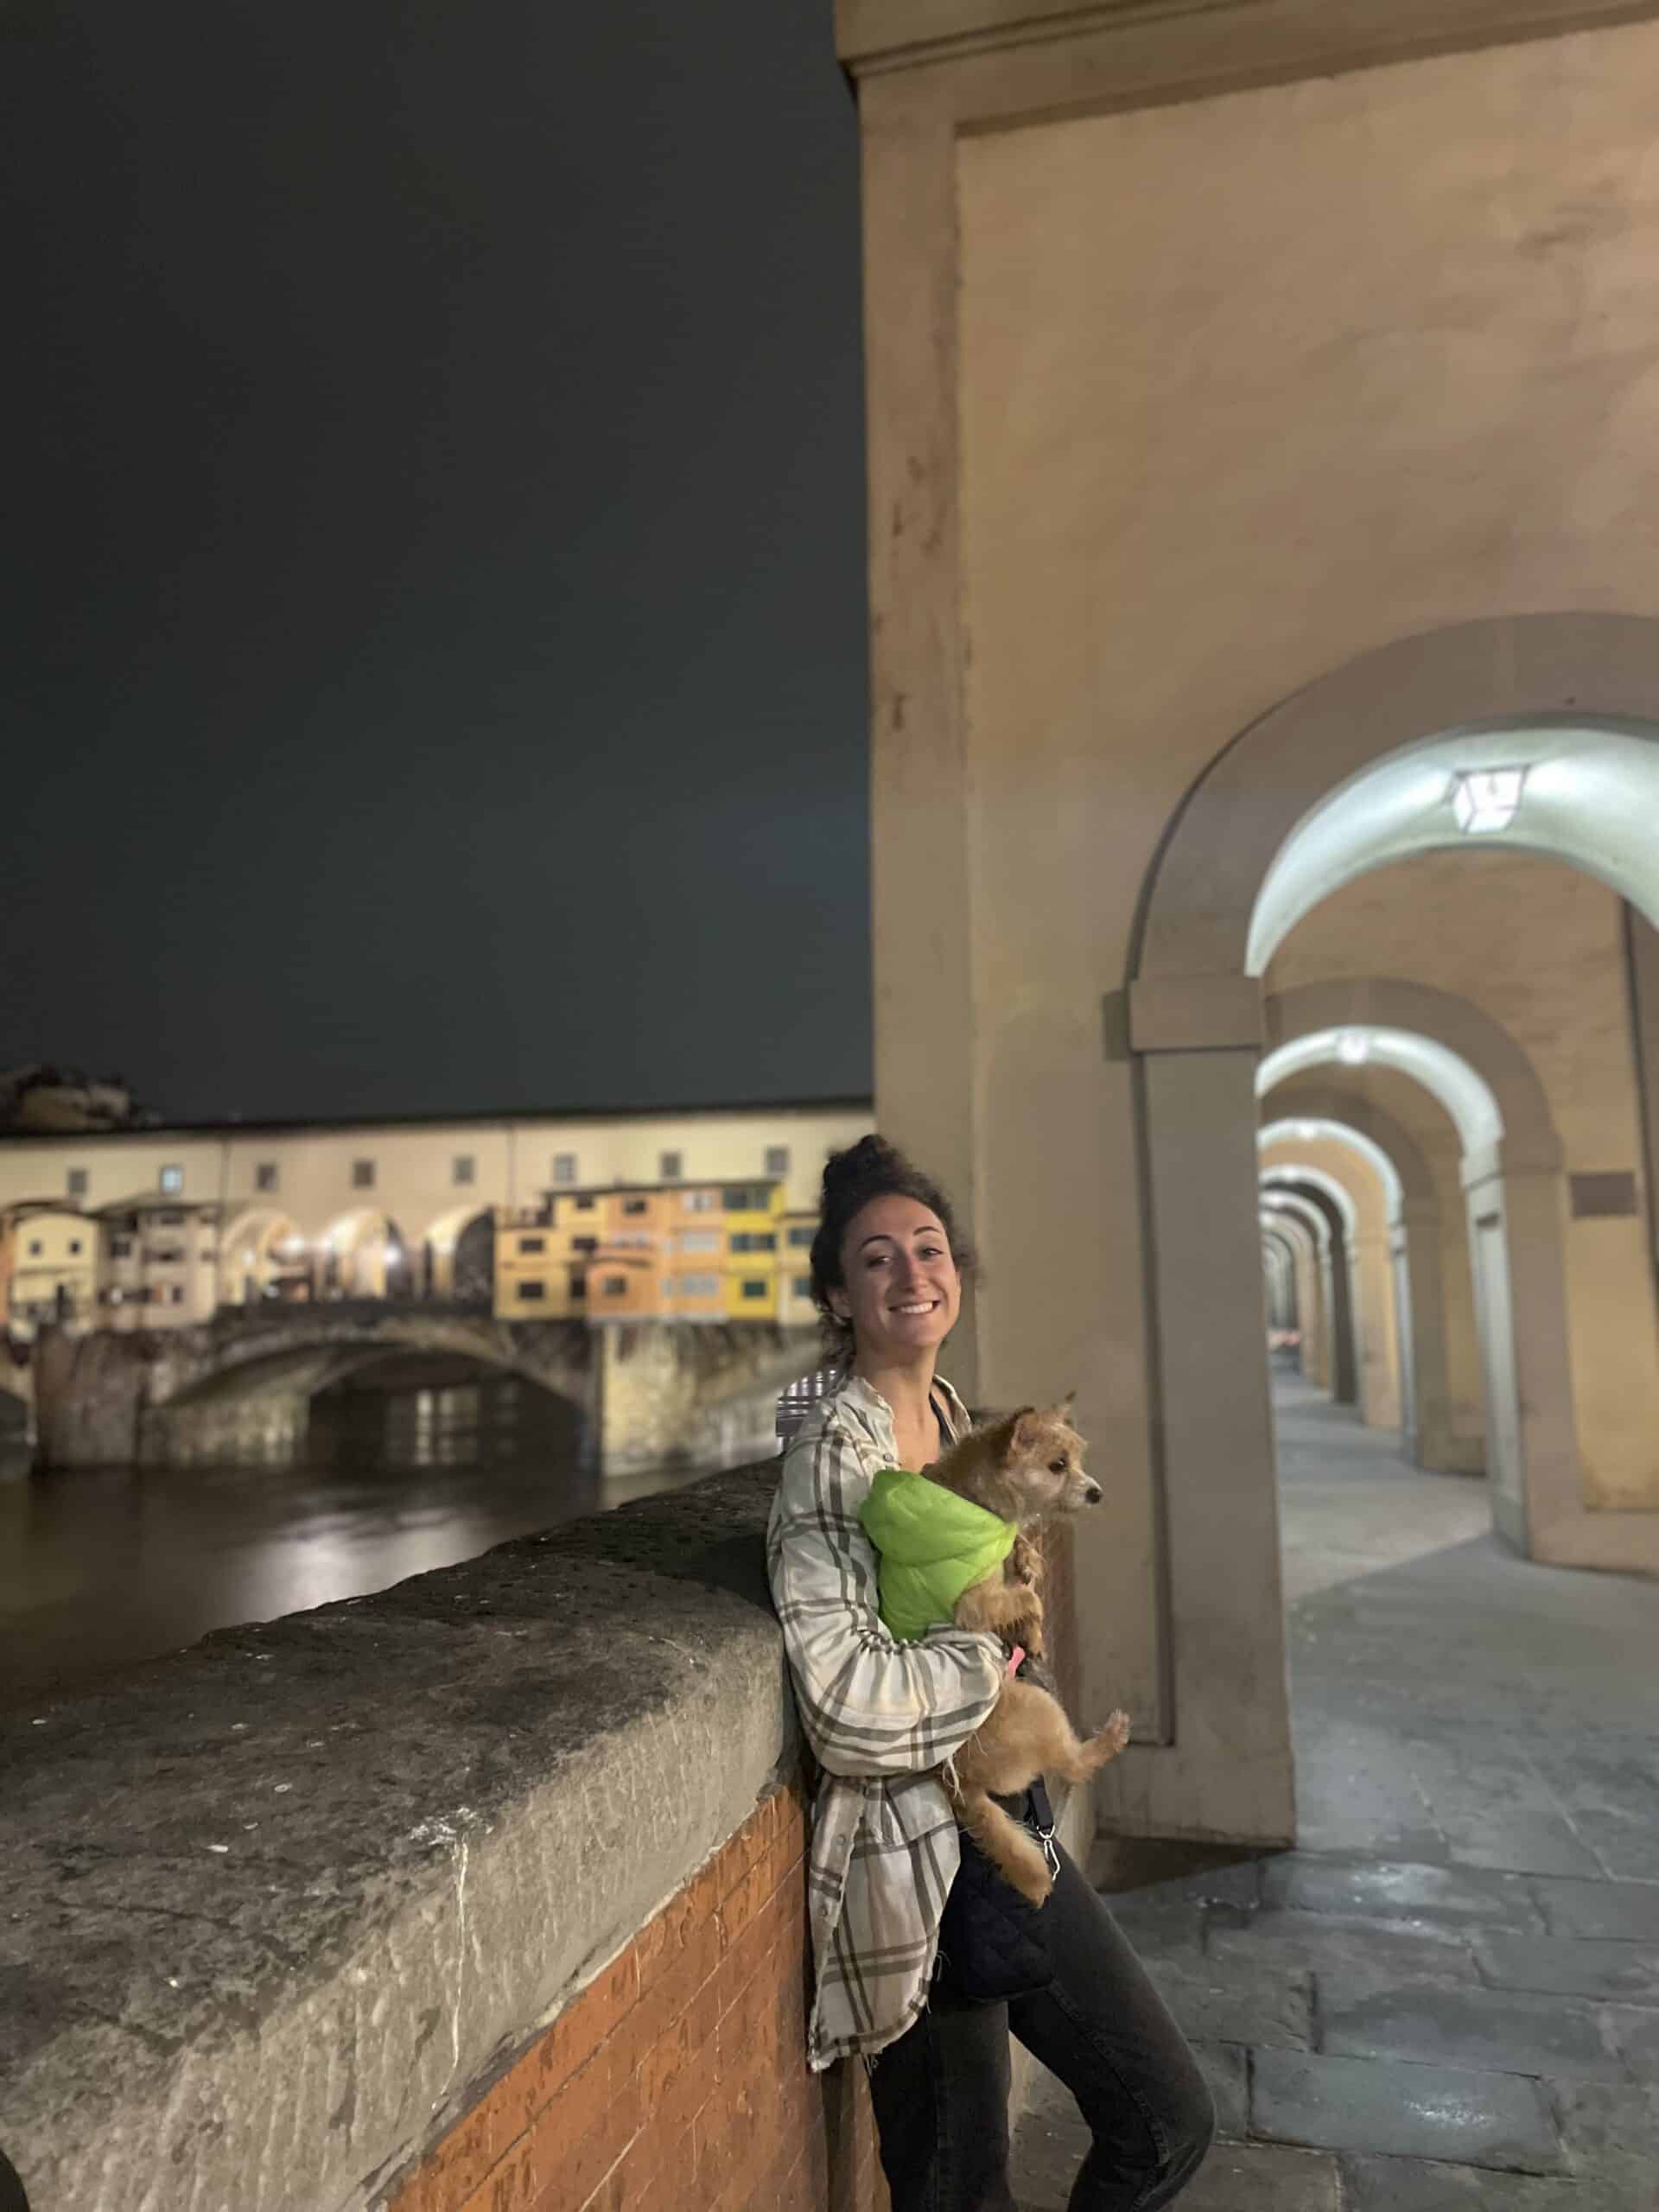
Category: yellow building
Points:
column 49, row 1267
column 795, row 1233
column 749, row 1271
column 668, row 1251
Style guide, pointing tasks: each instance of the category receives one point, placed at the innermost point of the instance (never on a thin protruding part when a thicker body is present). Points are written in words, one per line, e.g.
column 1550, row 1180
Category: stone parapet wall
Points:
column 676, row 2081
column 280, row 1909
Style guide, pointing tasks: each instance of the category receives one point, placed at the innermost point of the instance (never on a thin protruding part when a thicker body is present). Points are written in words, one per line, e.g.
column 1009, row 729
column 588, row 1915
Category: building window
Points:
column 585, row 1243
column 565, row 1167
column 801, row 1236
column 74, row 1247
column 585, row 1205
column 176, row 1294
column 172, row 1180
column 699, row 1286
column 264, row 1175
column 119, row 1246
column 700, row 1240
column 170, row 1220
column 777, row 1159
column 755, row 1289
column 742, row 1198
column 35, row 1250
column 77, row 1182
column 578, row 1283
column 206, row 1255
column 803, row 1286
column 700, row 1202
column 532, row 1290
column 670, row 1166
column 532, row 1244
column 362, row 1174
column 752, row 1240
column 465, row 1167
column 635, row 1206
column 615, row 1286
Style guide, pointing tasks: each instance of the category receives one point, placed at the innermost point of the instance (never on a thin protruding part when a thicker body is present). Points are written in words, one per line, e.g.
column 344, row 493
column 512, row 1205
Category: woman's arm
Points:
column 869, row 1705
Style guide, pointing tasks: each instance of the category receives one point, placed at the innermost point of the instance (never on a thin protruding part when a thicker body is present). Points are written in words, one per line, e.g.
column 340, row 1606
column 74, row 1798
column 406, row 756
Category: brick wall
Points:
column 677, row 2080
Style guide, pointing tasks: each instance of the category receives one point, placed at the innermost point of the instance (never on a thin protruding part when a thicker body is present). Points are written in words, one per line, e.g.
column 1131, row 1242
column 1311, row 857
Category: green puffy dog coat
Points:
column 933, row 1545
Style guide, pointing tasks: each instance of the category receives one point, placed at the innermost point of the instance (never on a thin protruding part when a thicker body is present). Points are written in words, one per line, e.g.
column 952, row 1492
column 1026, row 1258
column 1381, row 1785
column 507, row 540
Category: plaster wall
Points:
column 1213, row 442
column 1540, row 948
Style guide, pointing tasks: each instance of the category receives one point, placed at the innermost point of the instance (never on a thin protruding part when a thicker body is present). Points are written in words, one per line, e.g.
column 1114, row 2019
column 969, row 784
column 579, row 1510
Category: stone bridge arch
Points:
column 253, row 1372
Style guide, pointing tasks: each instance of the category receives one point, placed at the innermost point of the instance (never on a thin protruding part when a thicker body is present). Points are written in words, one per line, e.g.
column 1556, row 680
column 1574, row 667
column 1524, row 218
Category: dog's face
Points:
column 1043, row 1463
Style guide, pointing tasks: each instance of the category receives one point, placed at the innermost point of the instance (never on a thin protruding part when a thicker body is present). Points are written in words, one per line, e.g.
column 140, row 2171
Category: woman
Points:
column 882, row 1717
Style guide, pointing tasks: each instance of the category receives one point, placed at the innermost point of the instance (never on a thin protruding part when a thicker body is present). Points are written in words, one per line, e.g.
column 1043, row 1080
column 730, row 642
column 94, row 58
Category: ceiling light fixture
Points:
column 1485, row 800
column 1353, row 1048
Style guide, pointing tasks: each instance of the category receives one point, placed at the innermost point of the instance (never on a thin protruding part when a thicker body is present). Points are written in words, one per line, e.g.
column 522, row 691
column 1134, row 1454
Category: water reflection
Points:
column 102, row 1567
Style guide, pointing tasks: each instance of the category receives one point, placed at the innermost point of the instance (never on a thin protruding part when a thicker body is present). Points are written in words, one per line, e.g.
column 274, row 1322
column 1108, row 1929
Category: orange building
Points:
column 704, row 1251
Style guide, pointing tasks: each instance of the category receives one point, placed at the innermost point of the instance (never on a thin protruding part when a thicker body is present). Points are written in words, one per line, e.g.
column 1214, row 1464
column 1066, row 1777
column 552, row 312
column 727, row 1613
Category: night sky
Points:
column 434, row 648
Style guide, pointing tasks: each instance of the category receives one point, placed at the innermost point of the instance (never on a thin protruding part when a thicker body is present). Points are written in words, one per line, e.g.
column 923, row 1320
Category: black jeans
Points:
column 941, row 2092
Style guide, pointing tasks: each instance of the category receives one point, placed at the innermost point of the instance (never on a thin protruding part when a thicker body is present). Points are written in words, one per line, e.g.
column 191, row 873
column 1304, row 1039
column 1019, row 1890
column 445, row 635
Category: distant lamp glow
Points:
column 1486, row 800
column 1353, row 1048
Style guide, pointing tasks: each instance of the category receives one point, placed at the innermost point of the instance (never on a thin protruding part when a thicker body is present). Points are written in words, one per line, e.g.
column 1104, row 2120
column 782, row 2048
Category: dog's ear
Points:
column 1064, row 1408
column 1022, row 1427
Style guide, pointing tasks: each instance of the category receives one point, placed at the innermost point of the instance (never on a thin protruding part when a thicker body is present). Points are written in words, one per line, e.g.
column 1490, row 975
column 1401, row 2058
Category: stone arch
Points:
column 1310, row 1127
column 454, row 1259
column 1516, row 1201
column 1325, row 1203
column 1364, row 1183
column 1526, row 1135
column 1302, row 1246
column 1315, row 1356
column 1291, row 1244
column 1195, row 1024
column 1346, row 1110
column 1512, row 670
column 1278, row 1269
column 1316, row 1185
column 260, row 1246
column 364, row 1254
column 1426, row 1291
column 1195, row 1032
column 254, row 1378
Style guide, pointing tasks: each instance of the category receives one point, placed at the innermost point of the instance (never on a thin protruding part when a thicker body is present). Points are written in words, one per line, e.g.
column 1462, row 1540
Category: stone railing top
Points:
column 273, row 1908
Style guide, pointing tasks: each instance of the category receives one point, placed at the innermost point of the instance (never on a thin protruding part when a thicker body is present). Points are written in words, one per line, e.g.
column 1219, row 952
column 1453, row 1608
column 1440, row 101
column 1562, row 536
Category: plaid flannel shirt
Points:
column 882, row 1718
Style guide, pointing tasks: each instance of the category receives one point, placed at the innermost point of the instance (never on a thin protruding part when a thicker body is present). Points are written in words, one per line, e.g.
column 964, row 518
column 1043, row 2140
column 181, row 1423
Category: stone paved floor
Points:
column 1448, row 1996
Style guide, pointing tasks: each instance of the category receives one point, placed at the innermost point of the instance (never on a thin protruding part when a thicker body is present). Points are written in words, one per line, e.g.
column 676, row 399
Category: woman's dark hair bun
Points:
column 872, row 1168
column 855, row 1167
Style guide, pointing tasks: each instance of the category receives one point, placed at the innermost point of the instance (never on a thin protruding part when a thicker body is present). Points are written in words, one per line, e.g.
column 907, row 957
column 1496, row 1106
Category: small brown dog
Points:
column 1021, row 1468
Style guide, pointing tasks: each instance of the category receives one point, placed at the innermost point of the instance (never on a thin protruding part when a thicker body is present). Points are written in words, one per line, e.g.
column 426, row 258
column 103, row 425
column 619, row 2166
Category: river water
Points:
column 102, row 1567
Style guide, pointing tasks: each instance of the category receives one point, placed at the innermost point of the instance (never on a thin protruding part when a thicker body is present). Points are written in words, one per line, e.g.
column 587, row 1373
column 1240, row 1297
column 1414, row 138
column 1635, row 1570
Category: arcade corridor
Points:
column 1448, row 1997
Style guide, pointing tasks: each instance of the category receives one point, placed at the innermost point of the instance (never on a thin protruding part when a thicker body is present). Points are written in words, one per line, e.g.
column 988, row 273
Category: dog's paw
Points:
column 1110, row 1739
column 1032, row 1883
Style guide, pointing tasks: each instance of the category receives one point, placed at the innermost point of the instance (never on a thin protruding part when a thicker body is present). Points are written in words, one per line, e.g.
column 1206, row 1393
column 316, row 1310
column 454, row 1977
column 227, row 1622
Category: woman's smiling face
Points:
column 902, row 1291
